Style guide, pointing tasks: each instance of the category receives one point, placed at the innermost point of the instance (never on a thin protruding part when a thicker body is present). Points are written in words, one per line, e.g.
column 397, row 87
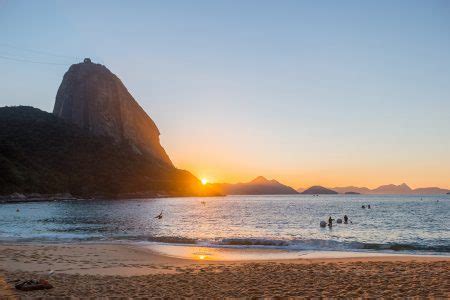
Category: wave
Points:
column 324, row 245
column 171, row 240
column 253, row 242
column 406, row 247
column 303, row 245
column 293, row 245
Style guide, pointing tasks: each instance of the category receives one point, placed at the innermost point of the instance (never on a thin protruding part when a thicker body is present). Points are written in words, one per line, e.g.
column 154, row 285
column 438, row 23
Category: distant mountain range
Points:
column 262, row 186
column 258, row 186
column 392, row 189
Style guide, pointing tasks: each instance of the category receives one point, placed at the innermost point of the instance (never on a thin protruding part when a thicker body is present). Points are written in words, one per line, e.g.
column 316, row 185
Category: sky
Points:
column 334, row 93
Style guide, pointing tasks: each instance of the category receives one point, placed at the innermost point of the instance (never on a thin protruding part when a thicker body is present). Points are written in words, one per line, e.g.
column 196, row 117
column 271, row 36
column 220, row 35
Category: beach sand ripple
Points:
column 329, row 280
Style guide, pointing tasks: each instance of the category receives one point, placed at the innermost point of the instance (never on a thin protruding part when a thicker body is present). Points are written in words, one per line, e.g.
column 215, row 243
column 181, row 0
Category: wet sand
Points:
column 117, row 270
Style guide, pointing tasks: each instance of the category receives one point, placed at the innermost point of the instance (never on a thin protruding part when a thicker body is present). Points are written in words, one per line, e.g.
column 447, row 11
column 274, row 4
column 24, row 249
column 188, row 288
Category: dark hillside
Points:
column 40, row 153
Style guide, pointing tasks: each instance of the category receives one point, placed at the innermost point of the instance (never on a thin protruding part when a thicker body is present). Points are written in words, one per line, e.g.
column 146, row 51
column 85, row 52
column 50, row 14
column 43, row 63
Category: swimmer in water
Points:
column 330, row 222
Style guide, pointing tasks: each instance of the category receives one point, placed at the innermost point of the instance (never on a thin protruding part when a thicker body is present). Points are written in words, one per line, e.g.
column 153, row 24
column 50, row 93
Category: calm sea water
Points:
column 394, row 223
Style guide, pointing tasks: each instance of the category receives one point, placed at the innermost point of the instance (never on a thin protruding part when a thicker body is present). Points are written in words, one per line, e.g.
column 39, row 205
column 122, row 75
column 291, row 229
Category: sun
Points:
column 204, row 181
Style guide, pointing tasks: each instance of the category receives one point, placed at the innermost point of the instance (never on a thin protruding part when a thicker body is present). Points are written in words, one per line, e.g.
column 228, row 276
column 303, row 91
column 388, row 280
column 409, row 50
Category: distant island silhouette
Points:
column 318, row 190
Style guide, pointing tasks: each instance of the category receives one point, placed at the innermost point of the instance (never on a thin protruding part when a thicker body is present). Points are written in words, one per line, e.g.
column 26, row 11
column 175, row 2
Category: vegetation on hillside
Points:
column 40, row 153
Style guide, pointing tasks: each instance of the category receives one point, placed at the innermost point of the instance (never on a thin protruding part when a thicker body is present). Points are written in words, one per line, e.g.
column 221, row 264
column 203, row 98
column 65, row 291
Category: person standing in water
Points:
column 345, row 219
column 330, row 222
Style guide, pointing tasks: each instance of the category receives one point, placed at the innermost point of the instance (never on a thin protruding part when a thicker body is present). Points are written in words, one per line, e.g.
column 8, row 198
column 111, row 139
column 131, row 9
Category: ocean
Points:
column 400, row 224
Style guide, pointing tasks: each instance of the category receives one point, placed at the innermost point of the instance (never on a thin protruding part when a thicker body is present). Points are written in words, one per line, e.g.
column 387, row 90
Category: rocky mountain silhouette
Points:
column 95, row 99
column 97, row 142
column 258, row 186
column 392, row 189
column 318, row 190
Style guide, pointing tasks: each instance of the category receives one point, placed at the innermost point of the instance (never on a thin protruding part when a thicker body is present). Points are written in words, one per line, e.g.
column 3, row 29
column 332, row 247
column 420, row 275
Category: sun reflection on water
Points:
column 221, row 254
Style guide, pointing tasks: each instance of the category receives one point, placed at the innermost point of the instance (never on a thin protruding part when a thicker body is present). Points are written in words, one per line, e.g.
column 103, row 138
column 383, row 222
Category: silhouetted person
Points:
column 368, row 206
column 345, row 219
column 159, row 217
column 330, row 222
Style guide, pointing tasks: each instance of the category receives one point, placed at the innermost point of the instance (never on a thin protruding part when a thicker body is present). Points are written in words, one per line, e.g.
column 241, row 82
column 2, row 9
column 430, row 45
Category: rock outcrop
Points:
column 95, row 99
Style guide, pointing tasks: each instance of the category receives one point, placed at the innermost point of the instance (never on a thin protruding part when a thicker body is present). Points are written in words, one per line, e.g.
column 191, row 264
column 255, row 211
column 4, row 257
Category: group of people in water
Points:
column 339, row 221
column 331, row 220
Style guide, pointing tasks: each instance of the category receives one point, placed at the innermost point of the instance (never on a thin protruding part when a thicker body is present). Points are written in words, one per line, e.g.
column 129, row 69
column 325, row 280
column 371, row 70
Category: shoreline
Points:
column 226, row 253
column 28, row 198
column 37, row 197
column 162, row 254
column 124, row 270
column 166, row 246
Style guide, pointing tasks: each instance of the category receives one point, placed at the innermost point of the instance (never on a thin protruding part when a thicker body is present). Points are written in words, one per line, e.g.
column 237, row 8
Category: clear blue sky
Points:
column 308, row 92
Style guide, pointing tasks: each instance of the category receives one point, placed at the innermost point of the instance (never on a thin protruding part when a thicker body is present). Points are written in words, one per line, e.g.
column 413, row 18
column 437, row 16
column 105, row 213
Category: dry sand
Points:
column 106, row 270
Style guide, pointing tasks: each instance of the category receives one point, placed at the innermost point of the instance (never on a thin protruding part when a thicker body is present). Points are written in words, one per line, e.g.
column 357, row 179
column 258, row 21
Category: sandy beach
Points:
column 123, row 270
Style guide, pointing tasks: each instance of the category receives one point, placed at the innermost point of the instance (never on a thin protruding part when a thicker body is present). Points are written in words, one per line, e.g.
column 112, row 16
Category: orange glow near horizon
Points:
column 230, row 159
column 328, row 177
